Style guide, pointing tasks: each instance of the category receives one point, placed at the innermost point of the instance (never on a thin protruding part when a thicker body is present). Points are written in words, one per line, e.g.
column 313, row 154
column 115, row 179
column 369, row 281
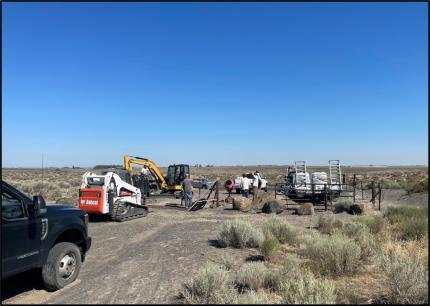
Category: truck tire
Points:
column 265, row 189
column 238, row 190
column 62, row 266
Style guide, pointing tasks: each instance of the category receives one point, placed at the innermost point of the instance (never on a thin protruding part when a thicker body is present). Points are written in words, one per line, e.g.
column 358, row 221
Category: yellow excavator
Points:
column 157, row 182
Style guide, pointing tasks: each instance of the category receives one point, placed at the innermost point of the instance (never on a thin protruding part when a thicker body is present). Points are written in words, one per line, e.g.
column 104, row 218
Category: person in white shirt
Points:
column 145, row 170
column 245, row 186
column 254, row 190
column 145, row 176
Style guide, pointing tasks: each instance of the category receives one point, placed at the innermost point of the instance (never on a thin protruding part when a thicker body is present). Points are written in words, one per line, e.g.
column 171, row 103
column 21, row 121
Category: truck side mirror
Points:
column 39, row 206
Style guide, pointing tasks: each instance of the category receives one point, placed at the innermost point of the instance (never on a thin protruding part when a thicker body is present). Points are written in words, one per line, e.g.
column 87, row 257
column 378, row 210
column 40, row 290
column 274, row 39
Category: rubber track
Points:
column 133, row 213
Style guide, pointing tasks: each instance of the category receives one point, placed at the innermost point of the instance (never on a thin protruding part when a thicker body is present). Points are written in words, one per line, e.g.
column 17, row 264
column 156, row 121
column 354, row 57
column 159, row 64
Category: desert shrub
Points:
column 334, row 254
column 269, row 246
column 38, row 187
column 251, row 276
column 411, row 222
column 281, row 229
column 209, row 286
column 258, row 297
column 388, row 184
column 274, row 279
column 407, row 278
column 63, row 185
column 239, row 234
column 343, row 204
column 375, row 223
column 398, row 214
column 327, row 223
column 360, row 233
column 413, row 228
column 227, row 261
column 415, row 185
column 304, row 288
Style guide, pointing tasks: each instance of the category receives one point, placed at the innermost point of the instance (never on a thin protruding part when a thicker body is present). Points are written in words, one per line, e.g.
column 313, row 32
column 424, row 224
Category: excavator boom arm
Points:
column 130, row 160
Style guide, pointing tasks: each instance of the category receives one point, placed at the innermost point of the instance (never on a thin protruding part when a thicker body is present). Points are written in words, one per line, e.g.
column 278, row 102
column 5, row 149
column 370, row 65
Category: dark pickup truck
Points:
column 36, row 235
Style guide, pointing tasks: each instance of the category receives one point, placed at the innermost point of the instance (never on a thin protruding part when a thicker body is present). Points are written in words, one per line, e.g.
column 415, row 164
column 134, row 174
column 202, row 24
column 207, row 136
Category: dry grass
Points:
column 56, row 186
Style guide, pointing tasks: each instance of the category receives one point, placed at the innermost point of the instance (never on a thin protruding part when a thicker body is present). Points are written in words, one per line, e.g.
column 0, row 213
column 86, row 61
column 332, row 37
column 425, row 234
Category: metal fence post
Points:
column 325, row 196
column 379, row 198
column 217, row 193
column 353, row 185
column 276, row 185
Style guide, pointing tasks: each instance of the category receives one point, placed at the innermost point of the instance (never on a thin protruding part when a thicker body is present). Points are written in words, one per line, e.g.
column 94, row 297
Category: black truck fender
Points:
column 70, row 230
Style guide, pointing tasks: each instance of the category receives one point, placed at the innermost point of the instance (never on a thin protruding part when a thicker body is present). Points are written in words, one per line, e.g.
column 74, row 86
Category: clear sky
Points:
column 214, row 83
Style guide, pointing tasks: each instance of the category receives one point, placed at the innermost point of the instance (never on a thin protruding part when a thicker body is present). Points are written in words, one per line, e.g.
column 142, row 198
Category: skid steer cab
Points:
column 111, row 195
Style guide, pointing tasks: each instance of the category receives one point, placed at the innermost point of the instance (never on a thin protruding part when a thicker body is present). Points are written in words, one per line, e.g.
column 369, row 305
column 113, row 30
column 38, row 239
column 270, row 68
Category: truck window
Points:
column 11, row 207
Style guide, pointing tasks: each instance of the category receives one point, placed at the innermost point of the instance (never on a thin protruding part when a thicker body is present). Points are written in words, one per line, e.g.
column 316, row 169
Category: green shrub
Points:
column 334, row 254
column 257, row 297
column 375, row 223
column 343, row 204
column 399, row 214
column 239, row 234
column 275, row 279
column 411, row 222
column 227, row 261
column 388, row 184
column 251, row 276
column 269, row 246
column 413, row 228
column 304, row 288
column 361, row 234
column 327, row 223
column 209, row 286
column 415, row 185
column 407, row 278
column 281, row 229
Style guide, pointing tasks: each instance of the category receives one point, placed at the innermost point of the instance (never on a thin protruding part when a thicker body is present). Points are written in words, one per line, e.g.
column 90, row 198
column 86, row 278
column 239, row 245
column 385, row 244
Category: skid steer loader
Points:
column 110, row 193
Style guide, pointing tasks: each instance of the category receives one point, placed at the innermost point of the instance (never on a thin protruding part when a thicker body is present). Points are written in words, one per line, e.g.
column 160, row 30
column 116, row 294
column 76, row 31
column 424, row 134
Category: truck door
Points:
column 20, row 235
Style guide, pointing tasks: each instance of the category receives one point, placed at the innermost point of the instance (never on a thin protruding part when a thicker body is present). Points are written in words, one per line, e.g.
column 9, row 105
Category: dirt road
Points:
column 144, row 260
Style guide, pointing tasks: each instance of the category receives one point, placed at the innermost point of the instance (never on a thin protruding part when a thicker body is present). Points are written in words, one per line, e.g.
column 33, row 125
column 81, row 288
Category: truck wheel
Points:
column 265, row 189
column 62, row 266
column 238, row 190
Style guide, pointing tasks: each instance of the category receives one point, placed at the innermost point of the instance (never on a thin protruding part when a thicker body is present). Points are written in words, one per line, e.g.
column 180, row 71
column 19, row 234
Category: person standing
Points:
column 187, row 187
column 145, row 179
column 254, row 191
column 245, row 186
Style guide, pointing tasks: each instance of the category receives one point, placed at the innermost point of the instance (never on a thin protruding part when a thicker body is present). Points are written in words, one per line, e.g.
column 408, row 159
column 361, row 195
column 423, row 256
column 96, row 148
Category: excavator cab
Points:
column 176, row 175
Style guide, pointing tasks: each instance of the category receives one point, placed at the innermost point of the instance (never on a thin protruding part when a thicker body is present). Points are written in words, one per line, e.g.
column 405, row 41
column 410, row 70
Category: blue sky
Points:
column 214, row 83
